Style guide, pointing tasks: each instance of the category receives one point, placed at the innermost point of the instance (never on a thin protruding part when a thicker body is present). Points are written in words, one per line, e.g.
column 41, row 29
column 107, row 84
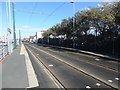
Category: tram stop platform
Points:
column 17, row 70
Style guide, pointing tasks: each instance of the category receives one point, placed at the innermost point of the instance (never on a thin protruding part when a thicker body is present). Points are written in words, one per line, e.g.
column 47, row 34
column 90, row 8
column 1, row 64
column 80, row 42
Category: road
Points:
column 64, row 69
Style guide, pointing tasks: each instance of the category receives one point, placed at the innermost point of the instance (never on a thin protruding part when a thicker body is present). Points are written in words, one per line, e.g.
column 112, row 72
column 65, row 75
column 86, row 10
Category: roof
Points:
column 31, row 37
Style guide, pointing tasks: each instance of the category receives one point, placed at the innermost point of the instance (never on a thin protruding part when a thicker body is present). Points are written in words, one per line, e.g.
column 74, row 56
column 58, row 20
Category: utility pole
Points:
column 14, row 33
column 19, row 36
column 73, row 8
column 8, row 23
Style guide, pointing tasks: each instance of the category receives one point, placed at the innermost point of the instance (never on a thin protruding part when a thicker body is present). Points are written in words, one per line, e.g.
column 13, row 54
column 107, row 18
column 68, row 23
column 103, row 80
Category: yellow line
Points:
column 22, row 50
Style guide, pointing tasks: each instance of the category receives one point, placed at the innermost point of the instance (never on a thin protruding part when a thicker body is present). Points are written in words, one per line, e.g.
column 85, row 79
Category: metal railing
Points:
column 3, row 51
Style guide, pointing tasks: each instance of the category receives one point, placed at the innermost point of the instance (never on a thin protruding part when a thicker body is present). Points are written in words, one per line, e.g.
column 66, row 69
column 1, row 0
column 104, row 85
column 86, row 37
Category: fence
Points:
column 3, row 51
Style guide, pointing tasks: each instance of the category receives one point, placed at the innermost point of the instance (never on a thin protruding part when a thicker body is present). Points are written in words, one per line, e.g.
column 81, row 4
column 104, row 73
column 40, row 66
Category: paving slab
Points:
column 14, row 72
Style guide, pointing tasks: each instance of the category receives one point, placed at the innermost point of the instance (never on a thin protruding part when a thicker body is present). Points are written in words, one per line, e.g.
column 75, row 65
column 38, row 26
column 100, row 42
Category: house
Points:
column 25, row 40
column 3, row 38
column 39, row 34
column 31, row 39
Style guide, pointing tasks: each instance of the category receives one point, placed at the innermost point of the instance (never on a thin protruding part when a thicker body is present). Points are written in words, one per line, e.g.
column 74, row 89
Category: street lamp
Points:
column 73, row 8
column 19, row 36
column 14, row 33
column 8, row 23
column 113, row 50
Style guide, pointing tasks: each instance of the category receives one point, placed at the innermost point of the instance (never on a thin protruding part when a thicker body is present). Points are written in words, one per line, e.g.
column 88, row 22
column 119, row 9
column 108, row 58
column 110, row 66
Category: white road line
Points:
column 32, row 79
column 50, row 65
column 56, row 82
column 117, row 79
column 97, row 84
column 88, row 87
column 110, row 81
column 97, row 59
column 73, row 66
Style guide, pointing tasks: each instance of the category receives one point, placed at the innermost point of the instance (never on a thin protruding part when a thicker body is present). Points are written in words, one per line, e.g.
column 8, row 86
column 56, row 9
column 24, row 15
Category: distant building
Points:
column 3, row 38
column 31, row 39
column 25, row 40
column 39, row 34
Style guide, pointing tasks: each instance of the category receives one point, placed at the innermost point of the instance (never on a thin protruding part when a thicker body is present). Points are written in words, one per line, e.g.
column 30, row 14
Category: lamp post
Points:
column 73, row 8
column 113, row 49
column 8, row 23
column 14, row 33
column 19, row 36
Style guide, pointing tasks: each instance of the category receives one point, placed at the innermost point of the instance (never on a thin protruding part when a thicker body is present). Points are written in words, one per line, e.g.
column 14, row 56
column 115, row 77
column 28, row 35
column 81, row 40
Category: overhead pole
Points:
column 19, row 36
column 14, row 33
column 10, row 32
column 73, row 8
column 8, row 23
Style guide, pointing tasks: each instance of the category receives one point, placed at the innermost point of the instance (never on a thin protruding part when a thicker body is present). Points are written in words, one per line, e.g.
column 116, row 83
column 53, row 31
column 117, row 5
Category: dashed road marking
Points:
column 97, row 59
column 72, row 66
column 97, row 64
column 117, row 79
column 56, row 82
column 50, row 65
column 88, row 87
column 98, row 84
column 110, row 81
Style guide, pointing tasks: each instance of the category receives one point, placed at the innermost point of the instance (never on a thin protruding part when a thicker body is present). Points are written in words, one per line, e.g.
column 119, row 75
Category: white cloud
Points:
column 26, row 31
column 99, row 5
column 85, row 9
column 29, row 29
column 26, row 26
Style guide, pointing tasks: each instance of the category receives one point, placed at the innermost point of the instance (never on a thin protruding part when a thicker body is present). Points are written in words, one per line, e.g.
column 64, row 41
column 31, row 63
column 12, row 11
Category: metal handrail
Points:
column 3, row 52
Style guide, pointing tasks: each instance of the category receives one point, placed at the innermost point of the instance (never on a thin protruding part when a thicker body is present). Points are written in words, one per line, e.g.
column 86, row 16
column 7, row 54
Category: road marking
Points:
column 89, row 62
column 22, row 50
column 70, row 64
column 88, row 87
column 50, row 65
column 56, row 82
column 98, row 84
column 117, row 79
column 110, row 81
column 32, row 79
column 97, row 59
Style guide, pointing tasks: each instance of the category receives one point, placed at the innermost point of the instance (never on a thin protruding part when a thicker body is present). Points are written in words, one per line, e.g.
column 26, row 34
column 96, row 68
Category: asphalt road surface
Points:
column 64, row 69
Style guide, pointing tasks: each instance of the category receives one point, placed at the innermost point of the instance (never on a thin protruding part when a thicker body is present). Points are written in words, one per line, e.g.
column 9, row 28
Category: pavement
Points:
column 17, row 70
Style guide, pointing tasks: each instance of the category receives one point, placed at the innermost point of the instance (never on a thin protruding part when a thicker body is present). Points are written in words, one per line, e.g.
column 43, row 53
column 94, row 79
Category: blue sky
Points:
column 30, row 23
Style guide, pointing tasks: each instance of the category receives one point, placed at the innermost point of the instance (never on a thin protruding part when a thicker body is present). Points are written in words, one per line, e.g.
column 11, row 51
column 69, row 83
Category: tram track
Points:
column 69, row 65
column 51, row 75
column 88, row 61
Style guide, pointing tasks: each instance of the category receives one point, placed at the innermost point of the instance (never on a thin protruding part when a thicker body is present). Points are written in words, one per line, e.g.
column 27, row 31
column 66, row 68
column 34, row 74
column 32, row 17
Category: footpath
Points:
column 17, row 70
